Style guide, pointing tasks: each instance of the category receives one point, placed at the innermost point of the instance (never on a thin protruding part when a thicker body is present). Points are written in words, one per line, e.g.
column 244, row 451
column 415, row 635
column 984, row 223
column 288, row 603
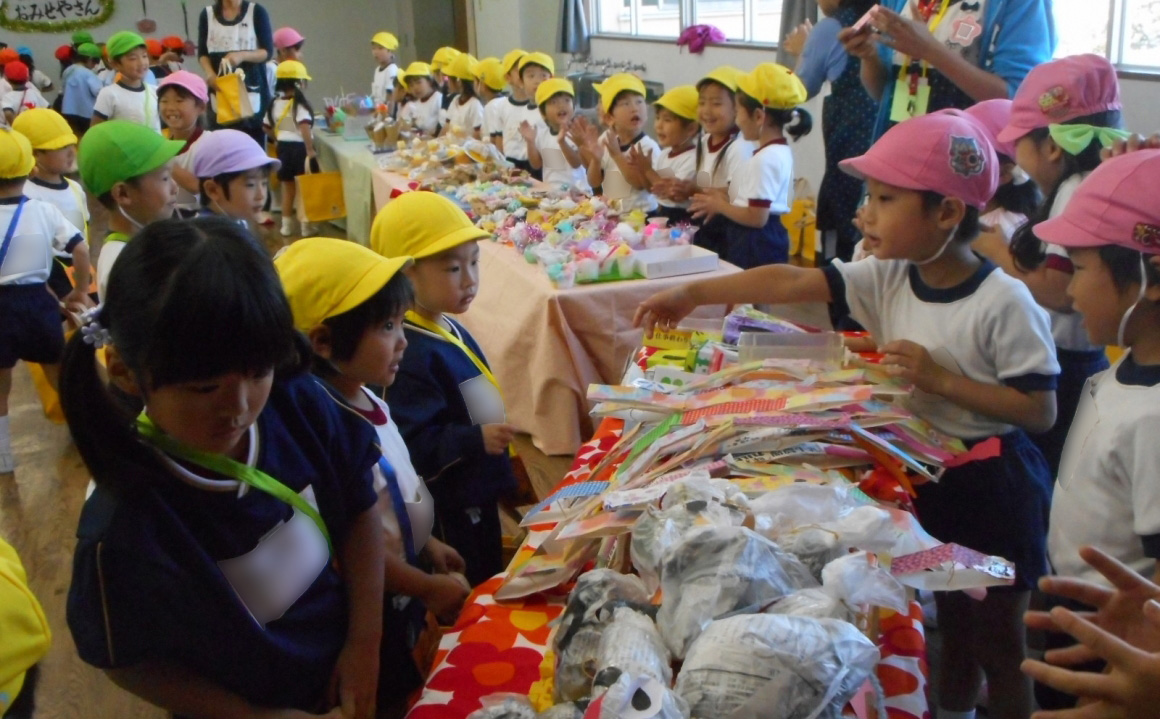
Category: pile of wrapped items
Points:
column 730, row 532
column 448, row 161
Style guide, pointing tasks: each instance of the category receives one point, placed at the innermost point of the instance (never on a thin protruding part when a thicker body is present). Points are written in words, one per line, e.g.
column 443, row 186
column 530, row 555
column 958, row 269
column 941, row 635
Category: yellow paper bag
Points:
column 802, row 222
column 320, row 196
column 49, row 399
column 233, row 99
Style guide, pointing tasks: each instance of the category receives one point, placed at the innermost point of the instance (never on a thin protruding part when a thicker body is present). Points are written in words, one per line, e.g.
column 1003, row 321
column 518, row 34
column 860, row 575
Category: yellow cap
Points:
column 774, row 86
column 681, row 101
column 616, row 84
column 421, row 224
column 416, row 69
column 22, row 625
column 385, row 39
column 291, row 70
column 463, row 67
column 15, row 154
column 45, row 129
column 489, row 71
column 324, row 277
column 542, row 59
column 726, row 75
column 512, row 59
column 553, row 86
column 443, row 57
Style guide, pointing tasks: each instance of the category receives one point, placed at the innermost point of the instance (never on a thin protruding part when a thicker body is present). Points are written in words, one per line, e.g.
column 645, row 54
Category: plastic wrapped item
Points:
column 746, row 318
column 631, row 645
column 718, row 570
column 504, row 706
column 638, row 698
column 567, row 710
column 850, row 583
column 775, row 667
column 824, row 347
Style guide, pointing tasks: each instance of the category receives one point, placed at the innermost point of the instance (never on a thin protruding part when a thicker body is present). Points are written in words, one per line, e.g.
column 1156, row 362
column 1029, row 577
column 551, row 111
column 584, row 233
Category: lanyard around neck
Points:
column 417, row 319
column 11, row 229
column 932, row 25
column 400, row 506
column 227, row 467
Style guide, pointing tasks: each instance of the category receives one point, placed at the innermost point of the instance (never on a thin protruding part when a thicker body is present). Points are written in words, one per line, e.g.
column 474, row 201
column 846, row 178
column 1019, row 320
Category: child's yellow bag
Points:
column 233, row 99
column 320, row 196
column 802, row 222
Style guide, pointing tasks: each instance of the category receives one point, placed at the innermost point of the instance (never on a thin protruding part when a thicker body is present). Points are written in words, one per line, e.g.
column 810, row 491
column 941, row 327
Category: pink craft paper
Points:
column 970, row 570
column 987, row 449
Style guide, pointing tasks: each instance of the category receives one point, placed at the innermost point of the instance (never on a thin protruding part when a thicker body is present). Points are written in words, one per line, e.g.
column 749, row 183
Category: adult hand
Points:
column 862, row 44
column 909, row 37
column 234, row 60
column 1133, row 143
column 796, row 40
column 664, row 309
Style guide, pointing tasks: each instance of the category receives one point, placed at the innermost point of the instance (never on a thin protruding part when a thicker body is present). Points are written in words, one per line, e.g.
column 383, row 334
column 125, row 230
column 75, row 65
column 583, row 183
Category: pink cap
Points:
column 1115, row 205
column 942, row 152
column 285, row 37
column 1062, row 90
column 993, row 116
column 188, row 80
column 224, row 151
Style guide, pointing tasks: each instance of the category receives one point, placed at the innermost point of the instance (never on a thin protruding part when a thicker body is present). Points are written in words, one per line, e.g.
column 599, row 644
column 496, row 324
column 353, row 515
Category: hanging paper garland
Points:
column 54, row 15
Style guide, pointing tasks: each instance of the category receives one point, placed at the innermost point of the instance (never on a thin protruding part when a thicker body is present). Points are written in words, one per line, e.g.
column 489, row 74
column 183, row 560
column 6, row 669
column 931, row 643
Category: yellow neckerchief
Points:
column 289, row 107
column 904, row 70
column 416, row 319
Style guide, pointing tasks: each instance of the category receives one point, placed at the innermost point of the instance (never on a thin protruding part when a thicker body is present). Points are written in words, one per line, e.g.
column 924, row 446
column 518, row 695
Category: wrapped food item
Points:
column 718, row 570
column 851, row 583
column 638, row 697
column 631, row 645
column 504, row 706
column 567, row 710
column 775, row 667
column 747, row 319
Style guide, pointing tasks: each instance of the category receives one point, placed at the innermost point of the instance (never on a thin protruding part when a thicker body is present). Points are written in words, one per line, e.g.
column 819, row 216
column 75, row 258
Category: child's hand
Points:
column 355, row 681
column 78, row 299
column 638, row 158
column 1133, row 143
column 664, row 309
column 443, row 557
column 681, row 190
column 497, row 437
column 612, row 143
column 444, row 596
column 707, row 204
column 528, row 132
column 912, row 362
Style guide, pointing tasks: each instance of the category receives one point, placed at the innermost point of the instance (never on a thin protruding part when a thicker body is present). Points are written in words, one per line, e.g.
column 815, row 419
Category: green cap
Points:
column 81, row 37
column 123, row 42
column 116, row 151
column 88, row 49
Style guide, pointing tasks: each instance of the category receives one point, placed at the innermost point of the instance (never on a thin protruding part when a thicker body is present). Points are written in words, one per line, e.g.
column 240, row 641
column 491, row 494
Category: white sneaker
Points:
column 287, row 226
column 7, row 462
column 309, row 229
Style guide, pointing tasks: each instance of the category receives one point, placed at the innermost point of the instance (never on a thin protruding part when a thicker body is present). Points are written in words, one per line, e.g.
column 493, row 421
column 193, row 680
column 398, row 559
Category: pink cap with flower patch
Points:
column 1062, row 90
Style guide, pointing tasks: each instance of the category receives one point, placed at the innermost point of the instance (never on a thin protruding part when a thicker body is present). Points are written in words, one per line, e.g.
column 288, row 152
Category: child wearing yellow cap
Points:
column 383, row 47
column 289, row 122
column 129, row 97
column 350, row 303
column 465, row 110
column 489, row 82
column 426, row 105
column 767, row 103
column 30, row 231
column 676, row 128
column 440, row 61
column 552, row 152
column 607, row 155
column 445, row 398
column 506, row 139
column 532, row 69
column 27, row 636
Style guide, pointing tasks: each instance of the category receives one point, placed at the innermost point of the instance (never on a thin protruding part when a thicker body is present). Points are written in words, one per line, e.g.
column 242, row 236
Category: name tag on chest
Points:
column 484, row 403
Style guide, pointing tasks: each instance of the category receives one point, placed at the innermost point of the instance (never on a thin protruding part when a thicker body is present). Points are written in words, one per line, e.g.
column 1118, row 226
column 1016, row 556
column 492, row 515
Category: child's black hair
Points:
column 1124, row 266
column 534, row 64
column 1027, row 250
column 285, row 85
column 106, row 198
column 861, row 7
column 543, row 105
column 466, row 88
column 1021, row 199
column 182, row 92
column 27, row 60
column 11, row 183
column 223, row 181
column 780, row 118
column 620, row 95
column 347, row 329
column 188, row 300
column 968, row 229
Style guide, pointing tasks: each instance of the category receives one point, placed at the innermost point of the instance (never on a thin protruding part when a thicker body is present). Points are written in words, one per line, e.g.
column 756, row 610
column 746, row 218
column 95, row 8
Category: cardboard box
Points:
column 674, row 261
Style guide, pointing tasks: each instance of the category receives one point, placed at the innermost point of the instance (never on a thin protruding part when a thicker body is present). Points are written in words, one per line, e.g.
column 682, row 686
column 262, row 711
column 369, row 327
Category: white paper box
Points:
column 673, row 261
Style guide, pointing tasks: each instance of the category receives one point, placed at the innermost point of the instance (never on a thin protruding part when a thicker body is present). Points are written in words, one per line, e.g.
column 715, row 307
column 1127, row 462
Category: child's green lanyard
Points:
column 227, row 467
column 912, row 90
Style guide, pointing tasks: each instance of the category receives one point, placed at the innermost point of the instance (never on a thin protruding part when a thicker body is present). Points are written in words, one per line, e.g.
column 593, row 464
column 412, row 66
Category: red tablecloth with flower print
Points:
column 499, row 648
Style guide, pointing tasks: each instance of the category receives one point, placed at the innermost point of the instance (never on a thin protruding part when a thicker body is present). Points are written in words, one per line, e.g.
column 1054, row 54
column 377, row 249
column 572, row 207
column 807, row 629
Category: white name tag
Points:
column 484, row 403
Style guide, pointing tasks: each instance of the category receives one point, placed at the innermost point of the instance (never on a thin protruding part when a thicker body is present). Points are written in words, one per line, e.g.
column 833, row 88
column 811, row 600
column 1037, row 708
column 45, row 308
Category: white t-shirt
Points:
column 514, row 145
column 988, row 329
column 41, row 81
column 110, row 251
column 495, row 115
column 68, row 197
column 682, row 166
column 41, row 232
column 424, row 114
column 556, row 170
column 616, row 187
column 1066, row 328
column 766, row 180
column 20, row 100
column 287, row 127
column 1108, row 491
column 468, row 115
column 383, row 84
column 117, row 102
column 420, row 505
column 733, row 155
column 5, row 87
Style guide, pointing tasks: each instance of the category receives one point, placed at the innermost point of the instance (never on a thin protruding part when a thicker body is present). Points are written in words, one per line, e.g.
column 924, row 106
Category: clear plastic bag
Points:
column 775, row 667
column 633, row 697
column 718, row 570
column 631, row 645
column 850, row 583
column 567, row 710
column 504, row 706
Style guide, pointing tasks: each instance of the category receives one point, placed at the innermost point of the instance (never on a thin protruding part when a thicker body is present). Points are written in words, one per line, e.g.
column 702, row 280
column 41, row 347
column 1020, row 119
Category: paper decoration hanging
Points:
column 54, row 15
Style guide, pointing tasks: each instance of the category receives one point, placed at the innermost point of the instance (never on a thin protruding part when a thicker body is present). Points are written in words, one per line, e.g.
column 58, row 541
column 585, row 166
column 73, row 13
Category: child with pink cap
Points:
column 1062, row 114
column 288, row 44
column 182, row 97
column 978, row 352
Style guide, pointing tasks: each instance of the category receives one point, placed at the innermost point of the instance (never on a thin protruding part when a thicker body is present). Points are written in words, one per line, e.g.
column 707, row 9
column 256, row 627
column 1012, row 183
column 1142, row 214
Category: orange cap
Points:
column 153, row 47
column 8, row 55
column 172, row 42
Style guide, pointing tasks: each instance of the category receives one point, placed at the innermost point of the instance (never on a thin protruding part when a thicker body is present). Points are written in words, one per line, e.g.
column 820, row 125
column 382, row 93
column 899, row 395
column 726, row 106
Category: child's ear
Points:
column 213, row 190
column 951, row 212
column 1051, row 151
column 120, row 194
column 119, row 373
column 320, row 341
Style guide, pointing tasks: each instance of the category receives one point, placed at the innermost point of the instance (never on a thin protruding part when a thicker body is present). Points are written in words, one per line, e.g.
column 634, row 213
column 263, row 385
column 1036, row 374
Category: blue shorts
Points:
column 31, row 328
column 997, row 506
column 749, row 247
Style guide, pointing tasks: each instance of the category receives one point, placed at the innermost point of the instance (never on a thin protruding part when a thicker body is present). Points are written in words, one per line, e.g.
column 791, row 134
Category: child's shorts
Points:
column 997, row 506
column 31, row 325
column 292, row 155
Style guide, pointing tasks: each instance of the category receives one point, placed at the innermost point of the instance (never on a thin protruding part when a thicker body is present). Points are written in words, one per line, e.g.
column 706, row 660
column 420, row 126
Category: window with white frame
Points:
column 1127, row 32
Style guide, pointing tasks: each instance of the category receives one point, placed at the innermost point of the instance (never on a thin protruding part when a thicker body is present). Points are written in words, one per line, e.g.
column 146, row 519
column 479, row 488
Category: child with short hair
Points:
column 36, row 78
column 509, row 141
column 206, row 576
column 23, row 96
column 607, row 156
column 677, row 129
column 350, row 303
column 977, row 350
column 383, row 47
column 233, row 172
column 32, row 230
column 445, row 398
column 127, row 168
column 532, row 69
column 552, row 152
column 465, row 111
column 129, row 97
column 490, row 83
column 288, row 44
column 81, row 86
column 182, row 99
column 422, row 112
column 768, row 101
column 289, row 121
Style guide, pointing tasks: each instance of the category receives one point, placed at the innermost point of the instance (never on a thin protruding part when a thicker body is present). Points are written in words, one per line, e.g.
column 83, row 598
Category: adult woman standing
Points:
column 238, row 34
column 919, row 56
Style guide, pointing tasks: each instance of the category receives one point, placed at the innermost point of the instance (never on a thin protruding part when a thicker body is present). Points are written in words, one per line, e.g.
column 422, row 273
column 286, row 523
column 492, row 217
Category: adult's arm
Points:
column 822, row 54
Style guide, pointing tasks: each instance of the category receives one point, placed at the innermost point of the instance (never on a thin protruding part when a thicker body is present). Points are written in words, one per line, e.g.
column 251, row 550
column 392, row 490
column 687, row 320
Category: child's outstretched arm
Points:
column 771, row 284
column 355, row 680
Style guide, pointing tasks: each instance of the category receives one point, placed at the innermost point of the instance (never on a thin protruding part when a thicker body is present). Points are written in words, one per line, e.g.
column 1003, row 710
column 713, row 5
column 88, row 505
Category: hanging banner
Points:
column 53, row 15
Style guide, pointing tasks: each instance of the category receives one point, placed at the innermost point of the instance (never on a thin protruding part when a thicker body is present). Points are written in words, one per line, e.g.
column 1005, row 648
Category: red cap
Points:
column 8, row 55
column 63, row 53
column 16, row 71
column 153, row 47
column 172, row 42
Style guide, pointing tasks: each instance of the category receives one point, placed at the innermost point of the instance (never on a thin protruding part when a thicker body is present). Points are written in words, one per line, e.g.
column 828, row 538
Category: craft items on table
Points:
column 449, row 161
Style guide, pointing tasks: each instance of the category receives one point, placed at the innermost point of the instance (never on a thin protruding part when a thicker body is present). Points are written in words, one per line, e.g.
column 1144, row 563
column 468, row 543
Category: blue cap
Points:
column 24, row 50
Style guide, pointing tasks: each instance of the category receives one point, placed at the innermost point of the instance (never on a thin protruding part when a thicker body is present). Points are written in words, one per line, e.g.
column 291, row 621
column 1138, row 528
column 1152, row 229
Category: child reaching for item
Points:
column 446, row 399
column 607, row 156
column 978, row 351
column 289, row 121
column 677, row 129
column 182, row 99
column 206, row 576
column 129, row 98
column 552, row 152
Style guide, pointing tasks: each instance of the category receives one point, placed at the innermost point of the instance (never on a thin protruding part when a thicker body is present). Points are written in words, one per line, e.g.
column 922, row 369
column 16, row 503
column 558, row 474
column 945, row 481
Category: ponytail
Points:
column 802, row 121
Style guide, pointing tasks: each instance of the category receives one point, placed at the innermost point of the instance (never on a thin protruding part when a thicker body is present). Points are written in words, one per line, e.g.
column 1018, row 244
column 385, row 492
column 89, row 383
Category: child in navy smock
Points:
column 207, row 574
column 762, row 189
column 978, row 352
column 446, row 400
